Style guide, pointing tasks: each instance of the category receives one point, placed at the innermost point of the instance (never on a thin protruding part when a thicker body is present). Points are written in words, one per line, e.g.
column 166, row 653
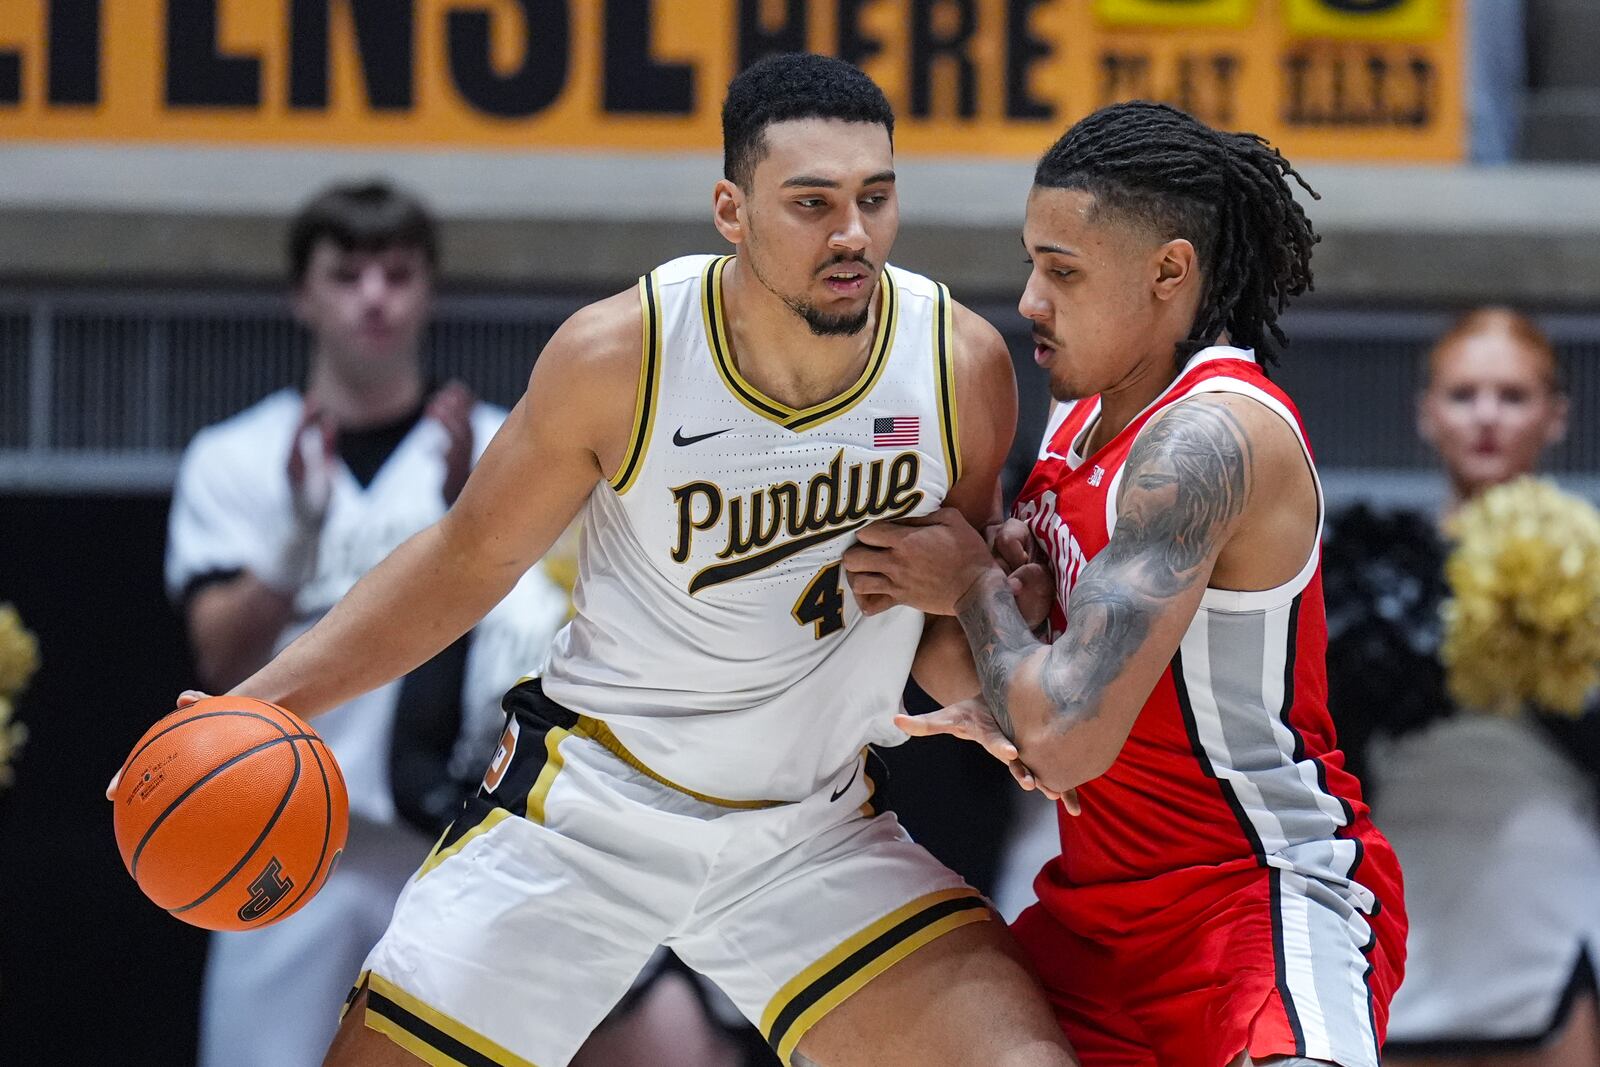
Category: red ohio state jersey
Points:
column 1227, row 832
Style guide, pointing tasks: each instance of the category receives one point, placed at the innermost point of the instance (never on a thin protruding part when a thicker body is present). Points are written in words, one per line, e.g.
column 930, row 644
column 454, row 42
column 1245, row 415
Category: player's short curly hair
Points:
column 794, row 85
column 365, row 216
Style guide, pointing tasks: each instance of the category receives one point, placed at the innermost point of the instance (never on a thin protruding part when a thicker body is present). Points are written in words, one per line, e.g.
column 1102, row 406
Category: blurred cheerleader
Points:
column 1463, row 647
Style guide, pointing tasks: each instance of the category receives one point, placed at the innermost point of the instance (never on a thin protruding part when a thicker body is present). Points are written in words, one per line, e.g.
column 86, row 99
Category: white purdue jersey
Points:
column 715, row 634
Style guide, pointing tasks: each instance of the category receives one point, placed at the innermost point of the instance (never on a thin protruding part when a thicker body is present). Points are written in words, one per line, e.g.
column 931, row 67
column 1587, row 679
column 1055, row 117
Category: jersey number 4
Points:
column 822, row 602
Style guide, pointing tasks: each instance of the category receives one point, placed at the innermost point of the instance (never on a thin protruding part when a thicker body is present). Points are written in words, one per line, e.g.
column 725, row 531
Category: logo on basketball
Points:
column 502, row 757
column 266, row 890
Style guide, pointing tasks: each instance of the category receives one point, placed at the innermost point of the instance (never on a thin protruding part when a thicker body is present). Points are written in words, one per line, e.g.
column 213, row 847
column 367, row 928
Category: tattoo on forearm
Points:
column 1000, row 640
column 1186, row 480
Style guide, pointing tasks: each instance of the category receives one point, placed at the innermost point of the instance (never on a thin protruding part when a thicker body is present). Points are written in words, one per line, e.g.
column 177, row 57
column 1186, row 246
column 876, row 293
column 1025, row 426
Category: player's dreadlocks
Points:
column 1226, row 193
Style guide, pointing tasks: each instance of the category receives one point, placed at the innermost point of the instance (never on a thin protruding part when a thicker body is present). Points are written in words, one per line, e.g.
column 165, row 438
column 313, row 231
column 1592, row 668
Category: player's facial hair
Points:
column 821, row 325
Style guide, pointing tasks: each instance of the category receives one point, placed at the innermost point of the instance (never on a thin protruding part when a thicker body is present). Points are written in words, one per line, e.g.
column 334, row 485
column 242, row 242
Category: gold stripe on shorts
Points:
column 553, row 762
column 823, row 986
column 442, row 851
column 427, row 1033
column 601, row 734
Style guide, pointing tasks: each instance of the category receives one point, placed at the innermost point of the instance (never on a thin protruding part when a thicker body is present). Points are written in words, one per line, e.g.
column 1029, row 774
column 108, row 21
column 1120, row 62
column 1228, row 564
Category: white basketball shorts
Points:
column 574, row 862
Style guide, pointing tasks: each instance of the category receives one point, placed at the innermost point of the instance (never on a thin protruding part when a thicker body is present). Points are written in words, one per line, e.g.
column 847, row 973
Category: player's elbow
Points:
column 1067, row 752
column 1060, row 771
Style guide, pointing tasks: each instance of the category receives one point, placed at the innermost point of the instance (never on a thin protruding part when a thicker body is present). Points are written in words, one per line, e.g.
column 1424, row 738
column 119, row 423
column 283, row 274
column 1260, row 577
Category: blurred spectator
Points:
column 1494, row 818
column 276, row 514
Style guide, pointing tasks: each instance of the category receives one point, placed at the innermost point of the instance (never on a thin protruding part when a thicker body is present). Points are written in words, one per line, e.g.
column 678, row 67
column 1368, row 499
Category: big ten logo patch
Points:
column 502, row 756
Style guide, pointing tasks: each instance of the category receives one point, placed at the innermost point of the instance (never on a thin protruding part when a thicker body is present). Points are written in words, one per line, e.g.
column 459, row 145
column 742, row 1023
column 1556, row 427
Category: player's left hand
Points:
column 927, row 563
column 971, row 720
column 451, row 407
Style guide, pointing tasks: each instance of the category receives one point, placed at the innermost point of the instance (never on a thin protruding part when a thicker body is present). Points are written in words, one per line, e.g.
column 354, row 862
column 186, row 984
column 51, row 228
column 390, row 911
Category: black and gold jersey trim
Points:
column 945, row 375
column 817, row 990
column 644, row 408
column 427, row 1033
column 538, row 759
column 763, row 405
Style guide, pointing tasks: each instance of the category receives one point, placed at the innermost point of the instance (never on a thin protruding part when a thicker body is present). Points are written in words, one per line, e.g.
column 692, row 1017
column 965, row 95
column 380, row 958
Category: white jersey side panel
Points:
column 715, row 633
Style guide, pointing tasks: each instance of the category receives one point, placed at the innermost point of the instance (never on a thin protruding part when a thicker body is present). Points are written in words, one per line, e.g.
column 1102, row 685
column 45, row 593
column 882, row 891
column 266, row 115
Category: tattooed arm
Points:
column 1070, row 706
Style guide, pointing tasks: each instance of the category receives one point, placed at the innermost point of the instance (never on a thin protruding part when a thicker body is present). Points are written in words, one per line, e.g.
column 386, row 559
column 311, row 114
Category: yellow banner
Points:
column 1323, row 79
column 1166, row 13
column 1373, row 19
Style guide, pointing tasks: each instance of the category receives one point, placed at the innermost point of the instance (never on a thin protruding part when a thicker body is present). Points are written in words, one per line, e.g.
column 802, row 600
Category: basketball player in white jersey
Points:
column 277, row 512
column 691, row 768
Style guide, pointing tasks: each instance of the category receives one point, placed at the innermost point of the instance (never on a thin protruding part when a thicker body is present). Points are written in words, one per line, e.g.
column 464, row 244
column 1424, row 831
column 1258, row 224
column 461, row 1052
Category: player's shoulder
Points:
column 1231, row 382
column 601, row 338
column 586, row 377
column 682, row 272
column 913, row 288
column 975, row 338
column 607, row 336
column 1228, row 422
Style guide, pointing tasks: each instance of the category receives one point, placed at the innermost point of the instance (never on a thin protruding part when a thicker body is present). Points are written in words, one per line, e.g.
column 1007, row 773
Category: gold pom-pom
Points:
column 1523, row 625
column 12, row 735
column 19, row 652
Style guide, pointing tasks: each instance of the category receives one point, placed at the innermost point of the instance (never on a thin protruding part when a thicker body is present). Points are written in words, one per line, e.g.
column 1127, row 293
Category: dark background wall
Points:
column 90, row 972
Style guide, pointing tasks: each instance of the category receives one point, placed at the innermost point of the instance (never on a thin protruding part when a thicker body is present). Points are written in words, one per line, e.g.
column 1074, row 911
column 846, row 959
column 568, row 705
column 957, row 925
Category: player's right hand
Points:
column 1012, row 543
column 1027, row 569
column 185, row 698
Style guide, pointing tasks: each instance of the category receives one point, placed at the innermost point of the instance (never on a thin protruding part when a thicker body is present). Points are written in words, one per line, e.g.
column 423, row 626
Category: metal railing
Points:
column 99, row 391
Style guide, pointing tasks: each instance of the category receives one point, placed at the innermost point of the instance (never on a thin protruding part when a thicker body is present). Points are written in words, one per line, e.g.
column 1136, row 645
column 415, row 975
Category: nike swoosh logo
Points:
column 680, row 440
column 837, row 793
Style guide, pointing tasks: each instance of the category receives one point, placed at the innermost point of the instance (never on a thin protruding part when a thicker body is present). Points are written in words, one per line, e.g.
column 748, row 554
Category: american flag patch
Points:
column 896, row 432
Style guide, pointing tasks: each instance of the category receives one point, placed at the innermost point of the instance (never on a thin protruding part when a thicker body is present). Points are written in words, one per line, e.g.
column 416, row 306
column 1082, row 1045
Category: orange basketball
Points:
column 231, row 813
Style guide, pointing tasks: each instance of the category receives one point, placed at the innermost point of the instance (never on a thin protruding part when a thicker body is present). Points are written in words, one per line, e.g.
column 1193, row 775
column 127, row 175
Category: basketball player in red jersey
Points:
column 1223, row 898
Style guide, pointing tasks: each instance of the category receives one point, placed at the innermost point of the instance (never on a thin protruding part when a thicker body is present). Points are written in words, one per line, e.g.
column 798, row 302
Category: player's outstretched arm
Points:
column 569, row 429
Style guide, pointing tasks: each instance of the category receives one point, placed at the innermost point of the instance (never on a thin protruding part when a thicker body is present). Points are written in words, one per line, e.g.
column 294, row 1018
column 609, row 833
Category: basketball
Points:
column 231, row 813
